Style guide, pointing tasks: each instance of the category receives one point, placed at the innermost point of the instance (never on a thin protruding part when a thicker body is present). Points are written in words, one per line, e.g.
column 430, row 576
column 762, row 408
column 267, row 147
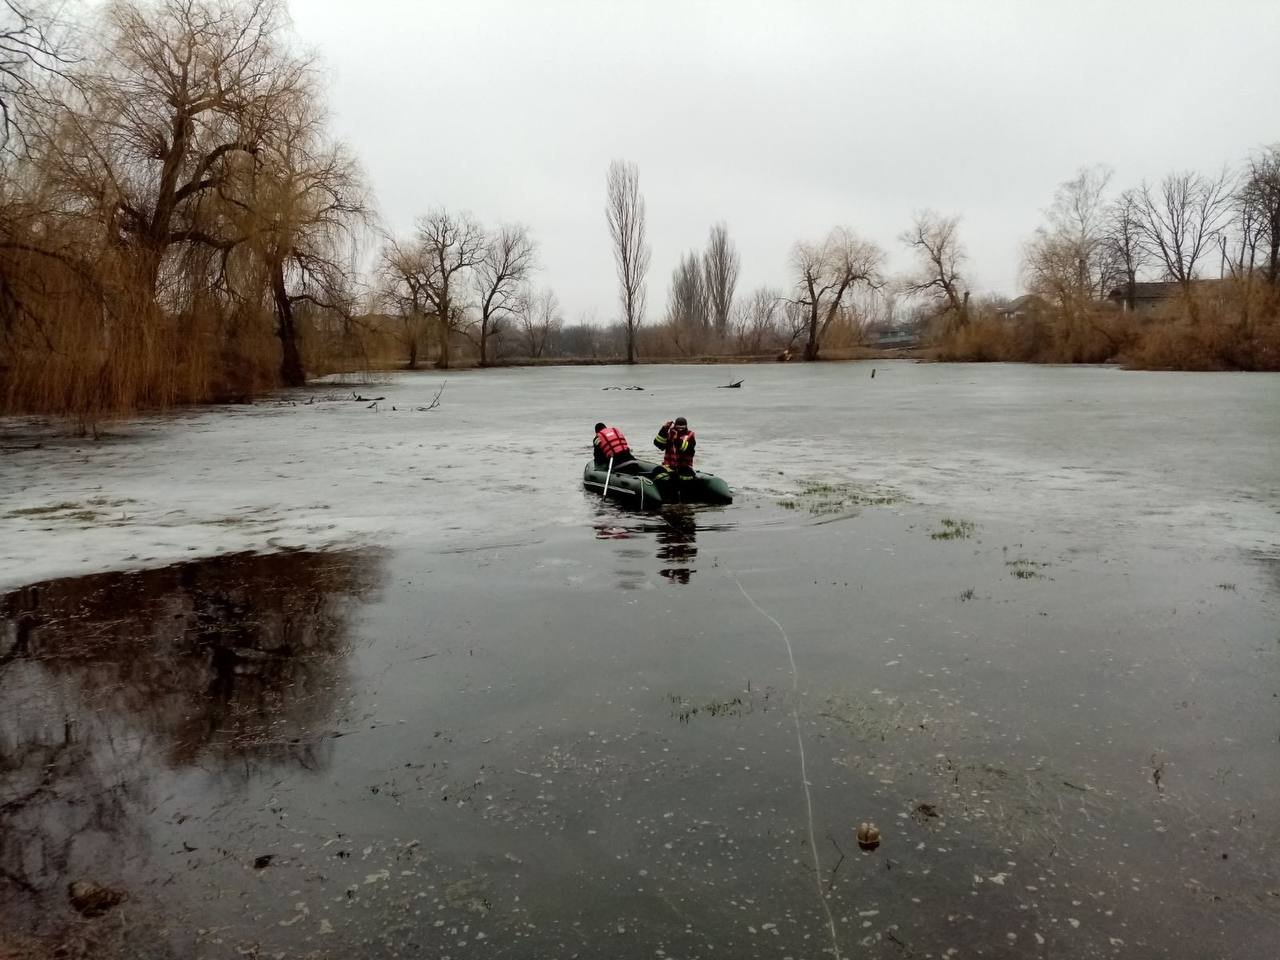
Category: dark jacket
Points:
column 678, row 445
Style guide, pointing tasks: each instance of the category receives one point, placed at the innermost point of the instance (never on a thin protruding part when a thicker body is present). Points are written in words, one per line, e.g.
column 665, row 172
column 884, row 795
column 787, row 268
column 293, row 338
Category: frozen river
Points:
column 1024, row 619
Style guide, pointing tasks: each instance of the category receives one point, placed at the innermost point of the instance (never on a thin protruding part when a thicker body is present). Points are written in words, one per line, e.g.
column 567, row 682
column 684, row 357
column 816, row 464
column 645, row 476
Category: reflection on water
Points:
column 675, row 530
column 234, row 664
column 678, row 544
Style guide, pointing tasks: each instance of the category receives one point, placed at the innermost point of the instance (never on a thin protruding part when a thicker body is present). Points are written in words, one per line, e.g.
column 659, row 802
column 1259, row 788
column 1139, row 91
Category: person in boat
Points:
column 610, row 444
column 677, row 443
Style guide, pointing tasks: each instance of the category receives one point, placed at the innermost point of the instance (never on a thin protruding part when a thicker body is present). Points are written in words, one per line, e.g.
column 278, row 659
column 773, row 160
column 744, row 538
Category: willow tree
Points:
column 181, row 93
column 297, row 210
column 29, row 53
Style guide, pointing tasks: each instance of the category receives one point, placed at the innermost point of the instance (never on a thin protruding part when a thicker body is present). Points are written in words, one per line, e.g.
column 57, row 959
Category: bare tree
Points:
column 941, row 257
column 1070, row 261
column 539, row 318
column 755, row 324
column 450, row 247
column 28, row 53
column 625, row 212
column 1260, row 195
column 1077, row 227
column 1123, row 238
column 506, row 263
column 721, row 265
column 687, row 305
column 402, row 280
column 186, row 93
column 825, row 272
column 1180, row 221
column 297, row 209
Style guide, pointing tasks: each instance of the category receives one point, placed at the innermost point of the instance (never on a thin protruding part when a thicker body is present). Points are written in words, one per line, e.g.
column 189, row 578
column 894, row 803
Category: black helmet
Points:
column 599, row 427
column 681, row 422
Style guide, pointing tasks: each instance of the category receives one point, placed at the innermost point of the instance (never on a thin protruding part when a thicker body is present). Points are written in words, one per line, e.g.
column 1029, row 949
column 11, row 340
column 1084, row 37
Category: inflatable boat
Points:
column 634, row 485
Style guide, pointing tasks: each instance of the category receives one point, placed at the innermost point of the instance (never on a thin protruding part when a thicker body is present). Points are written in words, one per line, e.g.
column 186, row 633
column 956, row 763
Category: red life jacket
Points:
column 679, row 452
column 612, row 442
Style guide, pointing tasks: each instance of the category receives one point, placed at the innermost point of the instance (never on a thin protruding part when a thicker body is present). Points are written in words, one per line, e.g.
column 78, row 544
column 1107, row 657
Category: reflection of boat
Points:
column 634, row 485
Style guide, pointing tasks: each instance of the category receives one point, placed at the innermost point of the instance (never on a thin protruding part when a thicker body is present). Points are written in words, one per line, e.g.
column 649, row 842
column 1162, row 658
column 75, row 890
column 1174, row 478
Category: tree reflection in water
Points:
column 234, row 664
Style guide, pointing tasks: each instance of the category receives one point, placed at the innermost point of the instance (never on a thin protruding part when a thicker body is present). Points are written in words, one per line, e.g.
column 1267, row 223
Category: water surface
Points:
column 1031, row 611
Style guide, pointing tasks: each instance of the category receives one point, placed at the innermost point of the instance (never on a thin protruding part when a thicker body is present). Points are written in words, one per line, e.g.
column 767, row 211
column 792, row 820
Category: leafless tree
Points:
column 402, row 278
column 625, row 212
column 793, row 322
column 755, row 324
column 1239, row 238
column 1180, row 221
column 298, row 210
column 825, row 272
column 1070, row 261
column 450, row 247
column 1077, row 227
column 185, row 94
column 1123, row 237
column 29, row 52
column 1260, row 195
column 539, row 318
column 502, row 270
column 720, row 268
column 941, row 257
column 687, row 305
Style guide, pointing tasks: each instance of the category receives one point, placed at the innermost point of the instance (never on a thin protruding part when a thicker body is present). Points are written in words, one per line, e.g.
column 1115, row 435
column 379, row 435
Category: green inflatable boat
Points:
column 635, row 486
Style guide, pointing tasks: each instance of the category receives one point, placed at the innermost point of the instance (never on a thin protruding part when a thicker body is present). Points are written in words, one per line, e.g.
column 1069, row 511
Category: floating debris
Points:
column 868, row 836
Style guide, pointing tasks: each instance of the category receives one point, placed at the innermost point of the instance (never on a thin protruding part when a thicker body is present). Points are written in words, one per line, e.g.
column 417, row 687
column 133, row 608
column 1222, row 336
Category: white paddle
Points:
column 607, row 474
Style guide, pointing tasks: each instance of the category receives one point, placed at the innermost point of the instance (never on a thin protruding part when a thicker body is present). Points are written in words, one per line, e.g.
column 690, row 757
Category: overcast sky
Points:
column 782, row 118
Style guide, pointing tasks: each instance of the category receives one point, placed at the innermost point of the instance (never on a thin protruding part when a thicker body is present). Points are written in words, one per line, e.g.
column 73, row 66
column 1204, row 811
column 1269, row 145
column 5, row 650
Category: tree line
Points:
column 1180, row 273
column 178, row 223
column 1202, row 249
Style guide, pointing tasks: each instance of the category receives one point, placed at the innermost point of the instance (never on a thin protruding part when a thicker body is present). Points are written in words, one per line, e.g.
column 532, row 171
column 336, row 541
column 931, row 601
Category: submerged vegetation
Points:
column 1026, row 569
column 823, row 497
column 953, row 530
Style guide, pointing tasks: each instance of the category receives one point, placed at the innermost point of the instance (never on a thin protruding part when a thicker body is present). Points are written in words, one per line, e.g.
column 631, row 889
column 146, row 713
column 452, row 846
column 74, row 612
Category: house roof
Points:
column 1024, row 304
column 1159, row 290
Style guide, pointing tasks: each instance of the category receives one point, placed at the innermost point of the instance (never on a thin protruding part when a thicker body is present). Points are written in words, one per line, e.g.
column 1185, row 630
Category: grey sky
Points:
column 783, row 119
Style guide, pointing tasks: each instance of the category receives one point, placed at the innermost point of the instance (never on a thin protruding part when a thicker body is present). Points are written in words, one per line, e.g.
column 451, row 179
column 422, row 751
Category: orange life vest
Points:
column 679, row 452
column 612, row 442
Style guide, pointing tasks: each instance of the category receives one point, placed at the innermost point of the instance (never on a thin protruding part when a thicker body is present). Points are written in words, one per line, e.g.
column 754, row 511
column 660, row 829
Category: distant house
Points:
column 1150, row 296
column 1028, row 307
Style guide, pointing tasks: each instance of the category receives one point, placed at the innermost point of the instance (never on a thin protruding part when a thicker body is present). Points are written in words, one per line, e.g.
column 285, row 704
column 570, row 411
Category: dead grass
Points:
column 1231, row 327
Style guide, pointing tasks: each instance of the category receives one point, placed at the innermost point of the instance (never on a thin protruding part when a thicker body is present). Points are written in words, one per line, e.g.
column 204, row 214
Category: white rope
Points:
column 804, row 773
